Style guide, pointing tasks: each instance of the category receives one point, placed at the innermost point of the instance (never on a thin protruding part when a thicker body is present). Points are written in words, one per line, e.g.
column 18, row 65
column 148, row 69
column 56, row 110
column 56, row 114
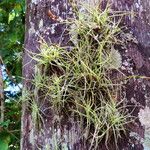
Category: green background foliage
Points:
column 12, row 20
column 12, row 13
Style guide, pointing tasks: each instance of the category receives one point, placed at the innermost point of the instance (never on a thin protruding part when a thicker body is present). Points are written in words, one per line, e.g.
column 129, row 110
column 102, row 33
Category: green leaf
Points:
column 4, row 140
column 3, row 145
column 5, row 123
column 11, row 16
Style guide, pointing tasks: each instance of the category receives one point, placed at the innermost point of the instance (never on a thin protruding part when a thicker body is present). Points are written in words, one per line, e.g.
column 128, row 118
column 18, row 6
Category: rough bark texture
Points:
column 135, row 62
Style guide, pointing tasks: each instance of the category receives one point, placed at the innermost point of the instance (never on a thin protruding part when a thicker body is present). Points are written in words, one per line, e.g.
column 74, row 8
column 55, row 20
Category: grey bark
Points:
column 135, row 62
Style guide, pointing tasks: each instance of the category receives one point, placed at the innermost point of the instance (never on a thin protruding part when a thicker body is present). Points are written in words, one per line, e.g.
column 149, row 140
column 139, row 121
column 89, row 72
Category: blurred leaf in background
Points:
column 4, row 140
column 12, row 14
column 12, row 28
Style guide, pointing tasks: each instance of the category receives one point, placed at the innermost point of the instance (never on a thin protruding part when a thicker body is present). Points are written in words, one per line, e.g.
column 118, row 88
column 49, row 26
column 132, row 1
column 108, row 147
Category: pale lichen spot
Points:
column 137, row 5
column 31, row 30
column 53, row 28
column 125, row 63
column 41, row 23
column 144, row 115
column 35, row 1
column 31, row 137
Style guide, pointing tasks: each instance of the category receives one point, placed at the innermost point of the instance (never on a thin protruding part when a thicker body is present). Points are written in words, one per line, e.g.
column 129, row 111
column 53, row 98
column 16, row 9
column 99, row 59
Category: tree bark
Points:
column 2, row 92
column 135, row 62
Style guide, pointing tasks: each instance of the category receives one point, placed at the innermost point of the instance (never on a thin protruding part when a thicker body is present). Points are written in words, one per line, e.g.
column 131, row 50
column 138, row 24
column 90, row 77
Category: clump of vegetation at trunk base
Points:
column 78, row 82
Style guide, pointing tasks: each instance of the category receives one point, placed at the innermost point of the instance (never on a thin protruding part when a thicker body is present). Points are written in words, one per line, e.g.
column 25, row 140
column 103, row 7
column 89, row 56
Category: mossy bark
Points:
column 39, row 23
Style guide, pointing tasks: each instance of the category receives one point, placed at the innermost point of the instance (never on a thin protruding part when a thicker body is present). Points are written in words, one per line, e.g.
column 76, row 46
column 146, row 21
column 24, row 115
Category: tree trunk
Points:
column 41, row 23
column 2, row 92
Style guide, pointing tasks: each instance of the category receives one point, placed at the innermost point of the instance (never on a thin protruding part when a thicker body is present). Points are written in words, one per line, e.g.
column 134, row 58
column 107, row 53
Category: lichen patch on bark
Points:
column 144, row 117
